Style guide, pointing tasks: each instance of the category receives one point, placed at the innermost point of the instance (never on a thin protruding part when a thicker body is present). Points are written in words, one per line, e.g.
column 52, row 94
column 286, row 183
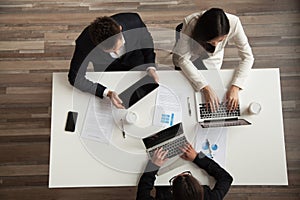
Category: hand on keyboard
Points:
column 211, row 99
column 232, row 98
column 189, row 153
column 159, row 157
column 221, row 112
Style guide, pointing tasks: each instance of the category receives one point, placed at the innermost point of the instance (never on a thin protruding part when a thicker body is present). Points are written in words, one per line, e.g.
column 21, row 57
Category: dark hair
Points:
column 101, row 31
column 213, row 23
column 186, row 187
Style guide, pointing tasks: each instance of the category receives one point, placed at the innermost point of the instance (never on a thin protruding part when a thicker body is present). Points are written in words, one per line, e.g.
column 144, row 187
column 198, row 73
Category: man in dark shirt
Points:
column 184, row 186
column 117, row 43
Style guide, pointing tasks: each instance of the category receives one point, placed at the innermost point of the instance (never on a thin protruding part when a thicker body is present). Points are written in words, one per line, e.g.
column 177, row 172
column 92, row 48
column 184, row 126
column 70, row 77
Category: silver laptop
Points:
column 171, row 139
column 220, row 118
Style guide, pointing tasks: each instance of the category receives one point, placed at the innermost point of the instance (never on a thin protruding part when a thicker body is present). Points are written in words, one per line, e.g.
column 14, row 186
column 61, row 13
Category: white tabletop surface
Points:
column 255, row 154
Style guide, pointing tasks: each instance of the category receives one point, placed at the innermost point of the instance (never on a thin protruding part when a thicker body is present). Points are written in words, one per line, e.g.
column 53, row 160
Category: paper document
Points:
column 167, row 107
column 212, row 142
column 98, row 123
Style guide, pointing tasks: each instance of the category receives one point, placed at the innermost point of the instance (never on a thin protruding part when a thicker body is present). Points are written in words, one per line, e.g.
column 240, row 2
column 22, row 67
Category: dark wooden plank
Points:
column 37, row 38
column 38, row 192
column 24, row 153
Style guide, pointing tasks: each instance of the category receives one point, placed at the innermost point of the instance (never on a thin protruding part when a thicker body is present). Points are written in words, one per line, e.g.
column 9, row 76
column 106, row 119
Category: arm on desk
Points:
column 79, row 64
column 223, row 178
column 146, row 182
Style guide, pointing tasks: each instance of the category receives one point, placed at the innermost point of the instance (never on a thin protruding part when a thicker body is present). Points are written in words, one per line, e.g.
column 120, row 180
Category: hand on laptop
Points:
column 211, row 99
column 154, row 75
column 189, row 153
column 115, row 99
column 159, row 157
column 232, row 98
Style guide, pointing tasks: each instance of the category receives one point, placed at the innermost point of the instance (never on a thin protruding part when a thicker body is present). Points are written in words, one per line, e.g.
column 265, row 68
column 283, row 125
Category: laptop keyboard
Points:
column 206, row 113
column 172, row 147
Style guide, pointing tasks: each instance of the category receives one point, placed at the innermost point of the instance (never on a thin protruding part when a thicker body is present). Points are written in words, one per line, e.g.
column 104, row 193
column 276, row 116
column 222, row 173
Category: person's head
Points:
column 211, row 28
column 106, row 32
column 186, row 187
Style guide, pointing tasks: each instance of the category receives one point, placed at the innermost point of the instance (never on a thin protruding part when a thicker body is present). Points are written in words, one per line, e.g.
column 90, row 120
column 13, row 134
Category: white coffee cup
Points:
column 131, row 117
column 254, row 108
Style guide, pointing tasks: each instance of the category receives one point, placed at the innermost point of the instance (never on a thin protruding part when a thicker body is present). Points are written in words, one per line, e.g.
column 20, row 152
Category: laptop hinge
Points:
column 220, row 120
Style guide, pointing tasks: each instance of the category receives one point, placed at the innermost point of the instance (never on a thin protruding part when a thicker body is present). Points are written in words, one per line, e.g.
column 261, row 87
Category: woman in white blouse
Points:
column 204, row 36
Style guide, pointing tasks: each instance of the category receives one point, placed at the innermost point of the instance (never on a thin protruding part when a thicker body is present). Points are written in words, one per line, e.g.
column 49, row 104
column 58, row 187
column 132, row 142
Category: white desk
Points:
column 255, row 154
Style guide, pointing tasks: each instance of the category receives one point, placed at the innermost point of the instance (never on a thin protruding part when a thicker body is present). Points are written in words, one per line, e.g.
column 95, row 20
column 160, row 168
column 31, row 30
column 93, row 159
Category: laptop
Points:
column 220, row 118
column 171, row 139
column 137, row 91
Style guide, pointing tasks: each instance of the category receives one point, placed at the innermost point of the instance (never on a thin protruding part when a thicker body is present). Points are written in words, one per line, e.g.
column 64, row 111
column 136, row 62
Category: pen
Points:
column 189, row 106
column 123, row 130
column 209, row 149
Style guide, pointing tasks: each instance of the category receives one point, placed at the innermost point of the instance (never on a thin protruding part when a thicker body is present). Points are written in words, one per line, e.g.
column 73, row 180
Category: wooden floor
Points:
column 37, row 38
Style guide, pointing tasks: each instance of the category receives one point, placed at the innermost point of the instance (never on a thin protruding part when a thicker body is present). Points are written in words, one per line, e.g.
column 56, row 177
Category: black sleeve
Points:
column 133, row 21
column 146, row 182
column 78, row 67
column 147, row 45
column 223, row 178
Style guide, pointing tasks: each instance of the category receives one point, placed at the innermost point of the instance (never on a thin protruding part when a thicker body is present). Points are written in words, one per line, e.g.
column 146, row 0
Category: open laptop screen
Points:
column 137, row 91
column 163, row 135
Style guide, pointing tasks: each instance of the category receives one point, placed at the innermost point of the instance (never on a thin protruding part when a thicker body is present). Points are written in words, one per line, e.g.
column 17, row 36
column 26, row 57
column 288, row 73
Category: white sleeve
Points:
column 105, row 92
column 182, row 58
column 245, row 53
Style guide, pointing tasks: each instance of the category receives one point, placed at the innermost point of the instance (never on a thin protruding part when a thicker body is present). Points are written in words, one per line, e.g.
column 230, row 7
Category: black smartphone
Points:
column 71, row 121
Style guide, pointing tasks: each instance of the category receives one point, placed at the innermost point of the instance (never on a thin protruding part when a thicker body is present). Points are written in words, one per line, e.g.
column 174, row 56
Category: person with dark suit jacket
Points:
column 117, row 43
column 184, row 186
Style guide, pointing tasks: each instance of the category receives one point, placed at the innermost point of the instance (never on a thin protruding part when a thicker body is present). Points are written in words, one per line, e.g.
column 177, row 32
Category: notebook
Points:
column 171, row 139
column 220, row 118
column 137, row 91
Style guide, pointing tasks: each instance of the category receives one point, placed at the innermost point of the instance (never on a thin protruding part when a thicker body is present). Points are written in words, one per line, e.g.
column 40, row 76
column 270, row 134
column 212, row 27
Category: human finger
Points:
column 118, row 99
column 158, row 151
column 118, row 105
column 217, row 102
column 216, row 105
column 183, row 156
column 229, row 104
column 183, row 149
column 164, row 154
column 236, row 104
column 189, row 146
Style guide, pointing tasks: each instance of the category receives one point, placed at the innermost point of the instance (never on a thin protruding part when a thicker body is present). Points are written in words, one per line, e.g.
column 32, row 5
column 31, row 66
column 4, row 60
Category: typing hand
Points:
column 159, row 157
column 232, row 98
column 154, row 75
column 115, row 99
column 189, row 152
column 211, row 99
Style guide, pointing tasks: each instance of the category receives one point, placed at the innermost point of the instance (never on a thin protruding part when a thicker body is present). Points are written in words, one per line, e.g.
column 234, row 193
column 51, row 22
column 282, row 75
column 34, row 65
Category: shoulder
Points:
column 234, row 22
column 84, row 38
column 233, row 19
column 190, row 21
column 192, row 18
column 125, row 16
column 128, row 20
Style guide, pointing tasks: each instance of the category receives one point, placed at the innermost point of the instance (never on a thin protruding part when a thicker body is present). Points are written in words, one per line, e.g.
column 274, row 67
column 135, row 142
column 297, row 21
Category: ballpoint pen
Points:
column 189, row 106
column 209, row 148
column 123, row 130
